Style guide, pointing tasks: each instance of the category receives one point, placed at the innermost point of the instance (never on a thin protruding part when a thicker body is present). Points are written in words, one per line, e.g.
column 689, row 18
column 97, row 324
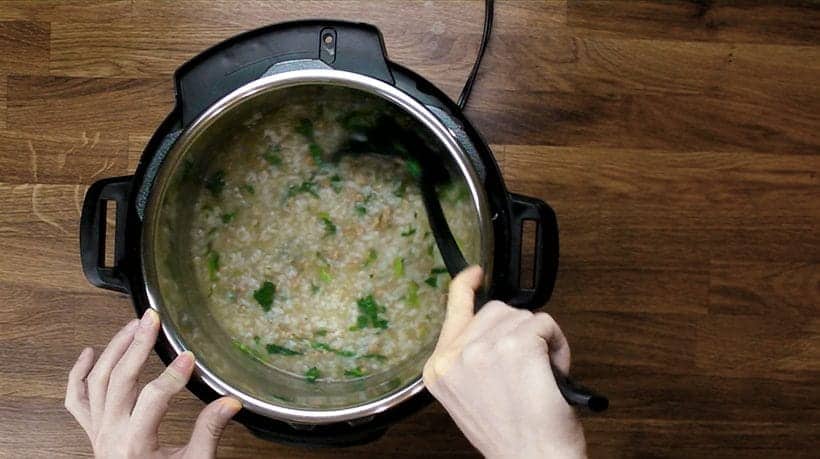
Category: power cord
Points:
column 485, row 37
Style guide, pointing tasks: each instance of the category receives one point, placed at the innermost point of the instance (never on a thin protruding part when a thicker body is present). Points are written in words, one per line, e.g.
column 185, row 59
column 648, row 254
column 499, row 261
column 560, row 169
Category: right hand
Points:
column 491, row 371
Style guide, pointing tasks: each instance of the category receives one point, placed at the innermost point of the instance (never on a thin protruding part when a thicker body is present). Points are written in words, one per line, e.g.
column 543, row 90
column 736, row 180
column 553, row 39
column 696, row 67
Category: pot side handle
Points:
column 545, row 263
column 92, row 233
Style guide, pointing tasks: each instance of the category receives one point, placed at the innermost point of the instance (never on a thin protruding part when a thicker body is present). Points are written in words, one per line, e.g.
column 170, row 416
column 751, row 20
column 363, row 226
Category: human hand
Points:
column 121, row 421
column 491, row 372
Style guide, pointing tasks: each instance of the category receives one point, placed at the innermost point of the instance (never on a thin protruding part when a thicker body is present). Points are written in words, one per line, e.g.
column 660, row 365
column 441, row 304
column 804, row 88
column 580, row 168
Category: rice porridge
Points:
column 318, row 265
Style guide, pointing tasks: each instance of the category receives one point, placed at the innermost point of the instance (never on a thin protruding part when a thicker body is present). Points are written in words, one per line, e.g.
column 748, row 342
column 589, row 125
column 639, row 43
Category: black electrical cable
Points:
column 485, row 37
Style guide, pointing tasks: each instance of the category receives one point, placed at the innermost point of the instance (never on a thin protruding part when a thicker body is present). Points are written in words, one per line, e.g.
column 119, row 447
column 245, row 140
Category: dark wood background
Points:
column 679, row 143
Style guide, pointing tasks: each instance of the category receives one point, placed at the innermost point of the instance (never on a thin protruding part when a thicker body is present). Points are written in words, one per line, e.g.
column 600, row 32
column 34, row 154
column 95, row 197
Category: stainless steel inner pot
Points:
column 187, row 323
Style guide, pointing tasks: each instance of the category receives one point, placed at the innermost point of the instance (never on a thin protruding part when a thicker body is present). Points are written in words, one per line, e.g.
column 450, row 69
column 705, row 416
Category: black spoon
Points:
column 385, row 135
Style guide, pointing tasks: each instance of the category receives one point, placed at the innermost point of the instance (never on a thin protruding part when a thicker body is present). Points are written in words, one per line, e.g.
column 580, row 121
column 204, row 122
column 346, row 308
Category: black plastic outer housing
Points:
column 356, row 48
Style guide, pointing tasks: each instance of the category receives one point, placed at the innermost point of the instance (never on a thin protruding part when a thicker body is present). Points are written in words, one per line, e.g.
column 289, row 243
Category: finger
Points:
column 153, row 401
column 97, row 380
column 494, row 320
column 122, row 389
column 76, row 393
column 460, row 304
column 544, row 326
column 209, row 426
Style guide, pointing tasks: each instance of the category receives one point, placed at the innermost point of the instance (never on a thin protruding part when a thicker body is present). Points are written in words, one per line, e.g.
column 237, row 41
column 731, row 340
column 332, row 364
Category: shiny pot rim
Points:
column 277, row 82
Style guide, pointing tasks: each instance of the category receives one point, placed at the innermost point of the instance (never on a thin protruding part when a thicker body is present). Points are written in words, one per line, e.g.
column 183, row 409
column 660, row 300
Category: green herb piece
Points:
column 398, row 267
column 324, row 274
column 248, row 188
column 307, row 186
column 336, row 183
column 400, row 190
column 281, row 350
column 412, row 294
column 321, row 346
column 273, row 156
column 305, row 128
column 264, row 295
column 354, row 372
column 344, row 353
column 372, row 255
column 413, row 168
column 408, row 232
column 316, row 153
column 227, row 218
column 369, row 314
column 377, row 357
column 438, row 270
column 249, row 351
column 216, row 183
column 432, row 281
column 213, row 264
column 430, row 249
column 320, row 332
column 361, row 209
column 312, row 374
column 314, row 289
column 330, row 227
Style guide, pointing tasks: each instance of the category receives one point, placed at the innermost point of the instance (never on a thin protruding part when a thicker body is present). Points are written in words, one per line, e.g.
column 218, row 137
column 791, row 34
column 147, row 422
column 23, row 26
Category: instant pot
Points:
column 256, row 66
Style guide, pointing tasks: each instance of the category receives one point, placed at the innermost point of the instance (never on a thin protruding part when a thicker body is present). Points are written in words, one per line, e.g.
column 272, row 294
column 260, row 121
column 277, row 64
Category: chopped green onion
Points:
column 377, row 357
column 324, row 274
column 305, row 128
column 336, row 183
column 432, row 281
column 413, row 294
column 314, row 289
column 248, row 188
column 438, row 270
column 330, row 227
column 227, row 218
column 413, row 168
column 213, row 264
column 272, row 156
column 320, row 332
column 304, row 187
column 316, row 153
column 281, row 350
column 265, row 295
column 361, row 209
column 409, row 232
column 312, row 374
column 216, row 183
column 372, row 255
column 247, row 350
column 321, row 346
column 398, row 267
column 354, row 372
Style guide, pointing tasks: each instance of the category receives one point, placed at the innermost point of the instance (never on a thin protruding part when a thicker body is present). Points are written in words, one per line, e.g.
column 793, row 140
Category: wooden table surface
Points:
column 679, row 143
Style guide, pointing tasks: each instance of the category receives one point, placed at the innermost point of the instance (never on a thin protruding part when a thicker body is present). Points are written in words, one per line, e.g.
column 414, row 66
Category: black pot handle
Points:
column 92, row 233
column 545, row 264
column 349, row 46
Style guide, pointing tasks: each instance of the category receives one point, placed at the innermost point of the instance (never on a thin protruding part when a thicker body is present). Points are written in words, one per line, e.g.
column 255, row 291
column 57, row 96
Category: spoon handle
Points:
column 577, row 395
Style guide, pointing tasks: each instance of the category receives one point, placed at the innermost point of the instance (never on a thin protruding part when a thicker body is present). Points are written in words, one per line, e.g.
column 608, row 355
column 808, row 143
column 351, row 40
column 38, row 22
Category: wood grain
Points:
column 679, row 143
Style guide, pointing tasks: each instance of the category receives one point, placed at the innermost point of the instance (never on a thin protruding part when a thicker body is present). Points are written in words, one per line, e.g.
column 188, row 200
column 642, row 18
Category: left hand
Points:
column 120, row 420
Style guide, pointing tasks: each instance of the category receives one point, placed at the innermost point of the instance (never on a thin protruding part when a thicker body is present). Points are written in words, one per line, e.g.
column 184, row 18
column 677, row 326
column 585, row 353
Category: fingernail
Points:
column 229, row 406
column 148, row 319
column 183, row 361
column 84, row 353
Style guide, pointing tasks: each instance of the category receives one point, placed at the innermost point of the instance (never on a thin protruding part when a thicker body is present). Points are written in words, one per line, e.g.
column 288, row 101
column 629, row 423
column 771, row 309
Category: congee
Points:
column 318, row 264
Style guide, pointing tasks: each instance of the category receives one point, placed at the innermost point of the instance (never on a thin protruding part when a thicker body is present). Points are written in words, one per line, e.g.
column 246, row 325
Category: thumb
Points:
column 209, row 426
